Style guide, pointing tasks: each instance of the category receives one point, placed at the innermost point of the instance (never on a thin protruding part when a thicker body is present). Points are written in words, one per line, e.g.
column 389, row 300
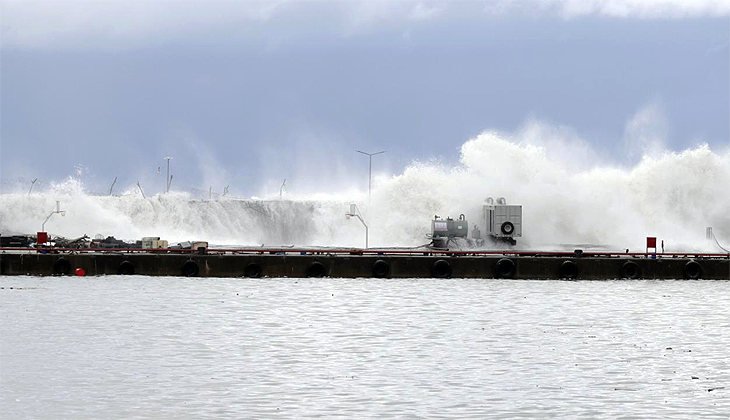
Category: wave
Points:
column 569, row 196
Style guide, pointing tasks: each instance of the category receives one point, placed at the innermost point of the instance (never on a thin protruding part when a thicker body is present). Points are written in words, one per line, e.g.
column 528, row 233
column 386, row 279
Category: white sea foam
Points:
column 569, row 193
column 673, row 195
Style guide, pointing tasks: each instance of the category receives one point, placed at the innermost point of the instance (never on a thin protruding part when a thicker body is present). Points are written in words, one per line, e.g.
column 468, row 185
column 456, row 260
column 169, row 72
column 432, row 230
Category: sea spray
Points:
column 570, row 196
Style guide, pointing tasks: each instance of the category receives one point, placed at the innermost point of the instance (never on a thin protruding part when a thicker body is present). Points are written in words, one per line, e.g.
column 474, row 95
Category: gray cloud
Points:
column 248, row 94
column 85, row 24
column 646, row 9
column 101, row 24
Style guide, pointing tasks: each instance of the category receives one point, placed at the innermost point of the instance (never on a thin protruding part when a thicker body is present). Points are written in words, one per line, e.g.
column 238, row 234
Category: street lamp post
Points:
column 370, row 170
column 355, row 212
column 57, row 211
column 167, row 179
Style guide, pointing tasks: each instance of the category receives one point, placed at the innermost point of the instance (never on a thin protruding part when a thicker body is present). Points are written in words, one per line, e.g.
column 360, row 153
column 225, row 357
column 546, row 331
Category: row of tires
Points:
column 190, row 268
column 504, row 268
column 568, row 269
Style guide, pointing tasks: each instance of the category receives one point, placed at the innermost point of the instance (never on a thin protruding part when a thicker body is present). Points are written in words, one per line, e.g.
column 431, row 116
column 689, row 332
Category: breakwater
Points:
column 368, row 264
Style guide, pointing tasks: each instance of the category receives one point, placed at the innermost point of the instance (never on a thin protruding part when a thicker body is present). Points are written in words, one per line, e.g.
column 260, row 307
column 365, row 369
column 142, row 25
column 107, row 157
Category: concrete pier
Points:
column 369, row 265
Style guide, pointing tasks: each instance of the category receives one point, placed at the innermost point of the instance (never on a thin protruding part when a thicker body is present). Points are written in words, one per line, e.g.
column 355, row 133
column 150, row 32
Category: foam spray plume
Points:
column 568, row 197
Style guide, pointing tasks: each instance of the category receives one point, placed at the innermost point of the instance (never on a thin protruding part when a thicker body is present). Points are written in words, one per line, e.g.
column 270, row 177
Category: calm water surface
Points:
column 150, row 347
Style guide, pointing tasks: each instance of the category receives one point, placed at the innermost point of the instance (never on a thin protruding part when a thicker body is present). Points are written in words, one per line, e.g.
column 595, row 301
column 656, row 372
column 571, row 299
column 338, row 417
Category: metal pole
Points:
column 112, row 187
column 370, row 171
column 370, row 180
column 355, row 212
column 31, row 185
column 168, row 178
column 140, row 190
column 366, row 227
column 57, row 211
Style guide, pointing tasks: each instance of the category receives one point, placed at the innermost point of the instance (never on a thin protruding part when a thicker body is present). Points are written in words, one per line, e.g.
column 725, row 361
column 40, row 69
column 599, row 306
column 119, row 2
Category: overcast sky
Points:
column 246, row 94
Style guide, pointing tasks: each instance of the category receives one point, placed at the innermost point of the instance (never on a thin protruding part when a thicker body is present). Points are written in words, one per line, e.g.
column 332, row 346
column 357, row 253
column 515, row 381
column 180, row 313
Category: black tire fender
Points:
column 505, row 268
column 381, row 269
column 630, row 270
column 190, row 269
column 253, row 270
column 441, row 269
column 692, row 270
column 569, row 269
column 62, row 267
column 126, row 268
column 316, row 269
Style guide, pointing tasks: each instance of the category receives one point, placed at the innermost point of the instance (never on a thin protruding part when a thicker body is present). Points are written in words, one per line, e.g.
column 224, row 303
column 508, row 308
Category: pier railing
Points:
column 373, row 251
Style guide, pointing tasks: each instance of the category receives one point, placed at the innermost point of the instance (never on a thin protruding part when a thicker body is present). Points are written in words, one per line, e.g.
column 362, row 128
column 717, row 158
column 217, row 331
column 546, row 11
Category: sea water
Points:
column 154, row 347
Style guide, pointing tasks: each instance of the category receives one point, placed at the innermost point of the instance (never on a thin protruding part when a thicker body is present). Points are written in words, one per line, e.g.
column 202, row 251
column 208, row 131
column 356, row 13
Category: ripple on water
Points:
column 145, row 347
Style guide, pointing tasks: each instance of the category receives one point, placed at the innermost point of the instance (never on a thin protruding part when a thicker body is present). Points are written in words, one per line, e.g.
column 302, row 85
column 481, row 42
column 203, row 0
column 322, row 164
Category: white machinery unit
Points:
column 153, row 242
column 500, row 222
column 503, row 221
column 199, row 244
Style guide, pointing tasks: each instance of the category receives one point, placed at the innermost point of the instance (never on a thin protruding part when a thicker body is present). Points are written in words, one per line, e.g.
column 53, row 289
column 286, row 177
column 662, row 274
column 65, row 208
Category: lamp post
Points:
column 57, row 211
column 167, row 179
column 370, row 170
column 355, row 212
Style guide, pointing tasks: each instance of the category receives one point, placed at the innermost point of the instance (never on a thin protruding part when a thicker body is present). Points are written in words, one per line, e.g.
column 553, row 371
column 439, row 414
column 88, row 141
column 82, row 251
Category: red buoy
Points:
column 80, row 272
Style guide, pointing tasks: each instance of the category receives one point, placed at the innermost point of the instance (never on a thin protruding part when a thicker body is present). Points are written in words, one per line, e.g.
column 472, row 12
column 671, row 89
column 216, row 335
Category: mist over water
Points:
column 569, row 193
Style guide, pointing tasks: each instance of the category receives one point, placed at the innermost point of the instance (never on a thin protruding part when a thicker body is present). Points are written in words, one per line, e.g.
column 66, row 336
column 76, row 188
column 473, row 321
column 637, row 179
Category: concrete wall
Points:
column 349, row 266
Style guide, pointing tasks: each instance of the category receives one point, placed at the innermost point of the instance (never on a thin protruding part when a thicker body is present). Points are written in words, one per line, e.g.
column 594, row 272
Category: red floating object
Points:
column 80, row 272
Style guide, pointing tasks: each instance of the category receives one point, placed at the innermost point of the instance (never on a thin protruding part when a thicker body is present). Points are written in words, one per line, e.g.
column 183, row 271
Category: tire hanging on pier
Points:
column 61, row 267
column 381, row 269
column 505, row 268
column 126, row 268
column 316, row 269
column 441, row 269
column 253, row 270
column 630, row 270
column 692, row 270
column 190, row 269
column 568, row 270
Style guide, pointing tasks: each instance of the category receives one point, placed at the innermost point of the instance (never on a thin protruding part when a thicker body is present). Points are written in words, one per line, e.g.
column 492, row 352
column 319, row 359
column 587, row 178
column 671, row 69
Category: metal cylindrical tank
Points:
column 450, row 228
